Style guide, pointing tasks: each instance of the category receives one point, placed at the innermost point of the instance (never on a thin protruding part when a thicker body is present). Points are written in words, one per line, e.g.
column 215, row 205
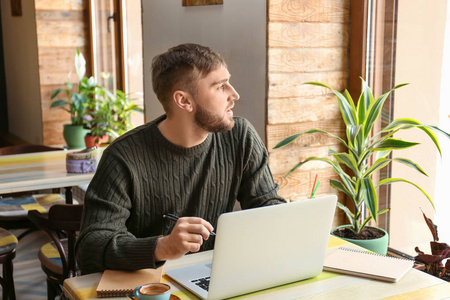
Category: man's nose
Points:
column 234, row 94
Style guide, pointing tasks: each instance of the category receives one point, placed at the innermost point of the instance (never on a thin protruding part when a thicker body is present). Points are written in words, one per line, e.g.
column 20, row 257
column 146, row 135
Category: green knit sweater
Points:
column 143, row 176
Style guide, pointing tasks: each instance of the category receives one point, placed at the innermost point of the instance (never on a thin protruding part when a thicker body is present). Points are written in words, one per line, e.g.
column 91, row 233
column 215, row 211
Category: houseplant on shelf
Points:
column 76, row 103
column 108, row 116
column 366, row 153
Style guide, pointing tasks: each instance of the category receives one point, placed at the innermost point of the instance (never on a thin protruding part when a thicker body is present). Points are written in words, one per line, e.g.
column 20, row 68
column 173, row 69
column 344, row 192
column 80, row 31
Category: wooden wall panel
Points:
column 308, row 35
column 303, row 109
column 308, row 40
column 62, row 5
column 287, row 85
column 62, row 27
column 291, row 60
column 322, row 11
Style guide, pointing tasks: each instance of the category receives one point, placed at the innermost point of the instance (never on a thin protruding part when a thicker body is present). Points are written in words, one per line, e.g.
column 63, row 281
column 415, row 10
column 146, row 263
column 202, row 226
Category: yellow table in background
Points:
column 39, row 171
column 327, row 286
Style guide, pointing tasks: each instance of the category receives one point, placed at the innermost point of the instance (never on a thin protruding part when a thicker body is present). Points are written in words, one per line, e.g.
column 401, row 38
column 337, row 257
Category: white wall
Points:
column 22, row 72
column 443, row 168
column 419, row 53
column 236, row 29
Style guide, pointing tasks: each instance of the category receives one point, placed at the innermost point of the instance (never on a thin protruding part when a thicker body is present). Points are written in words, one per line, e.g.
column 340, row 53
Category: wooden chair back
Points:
column 61, row 219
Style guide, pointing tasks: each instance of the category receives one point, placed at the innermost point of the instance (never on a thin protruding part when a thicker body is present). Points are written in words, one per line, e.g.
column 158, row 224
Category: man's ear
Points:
column 183, row 100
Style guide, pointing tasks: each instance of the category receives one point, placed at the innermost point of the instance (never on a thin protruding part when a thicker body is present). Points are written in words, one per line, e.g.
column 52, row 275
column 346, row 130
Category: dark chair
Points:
column 14, row 207
column 62, row 224
column 8, row 243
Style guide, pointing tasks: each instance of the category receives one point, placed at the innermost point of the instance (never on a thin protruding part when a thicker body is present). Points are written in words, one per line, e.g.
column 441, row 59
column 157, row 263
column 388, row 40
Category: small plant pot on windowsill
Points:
column 372, row 238
column 74, row 136
column 92, row 141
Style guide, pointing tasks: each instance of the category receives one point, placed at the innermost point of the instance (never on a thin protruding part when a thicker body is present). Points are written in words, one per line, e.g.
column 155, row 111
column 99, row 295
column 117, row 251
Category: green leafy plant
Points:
column 366, row 152
column 77, row 102
column 109, row 113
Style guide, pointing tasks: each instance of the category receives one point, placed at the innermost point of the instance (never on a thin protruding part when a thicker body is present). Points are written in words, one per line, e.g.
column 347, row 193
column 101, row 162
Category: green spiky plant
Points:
column 367, row 152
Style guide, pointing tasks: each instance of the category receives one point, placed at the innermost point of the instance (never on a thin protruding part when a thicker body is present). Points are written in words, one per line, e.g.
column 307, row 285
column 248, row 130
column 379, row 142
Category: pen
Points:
column 174, row 218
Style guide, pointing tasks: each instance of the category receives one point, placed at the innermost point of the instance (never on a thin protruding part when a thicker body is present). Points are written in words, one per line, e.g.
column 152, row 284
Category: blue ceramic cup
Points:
column 152, row 291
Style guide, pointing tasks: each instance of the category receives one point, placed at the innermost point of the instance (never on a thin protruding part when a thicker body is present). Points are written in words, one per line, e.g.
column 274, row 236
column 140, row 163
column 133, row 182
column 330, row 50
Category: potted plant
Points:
column 76, row 103
column 366, row 153
column 434, row 263
column 108, row 116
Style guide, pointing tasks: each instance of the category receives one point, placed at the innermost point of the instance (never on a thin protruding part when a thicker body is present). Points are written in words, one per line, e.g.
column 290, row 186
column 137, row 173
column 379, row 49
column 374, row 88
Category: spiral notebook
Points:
column 115, row 283
column 367, row 264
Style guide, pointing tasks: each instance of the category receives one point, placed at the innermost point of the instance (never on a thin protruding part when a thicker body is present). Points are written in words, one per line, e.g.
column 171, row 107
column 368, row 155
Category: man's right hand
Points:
column 187, row 236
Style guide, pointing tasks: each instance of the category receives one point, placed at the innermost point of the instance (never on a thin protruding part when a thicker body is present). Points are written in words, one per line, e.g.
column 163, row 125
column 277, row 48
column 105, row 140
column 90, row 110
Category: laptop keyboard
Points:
column 202, row 282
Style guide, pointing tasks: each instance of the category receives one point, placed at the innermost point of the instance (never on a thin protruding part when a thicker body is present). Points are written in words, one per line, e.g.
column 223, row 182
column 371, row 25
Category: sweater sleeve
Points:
column 104, row 241
column 257, row 186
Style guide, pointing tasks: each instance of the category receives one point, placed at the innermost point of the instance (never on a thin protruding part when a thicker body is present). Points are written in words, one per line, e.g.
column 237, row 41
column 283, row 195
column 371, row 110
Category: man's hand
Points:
column 187, row 236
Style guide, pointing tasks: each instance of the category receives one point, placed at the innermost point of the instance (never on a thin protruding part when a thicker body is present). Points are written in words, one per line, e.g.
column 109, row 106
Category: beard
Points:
column 212, row 122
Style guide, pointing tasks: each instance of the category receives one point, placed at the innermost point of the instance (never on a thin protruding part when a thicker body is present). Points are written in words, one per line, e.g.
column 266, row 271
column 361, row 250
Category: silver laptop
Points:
column 263, row 247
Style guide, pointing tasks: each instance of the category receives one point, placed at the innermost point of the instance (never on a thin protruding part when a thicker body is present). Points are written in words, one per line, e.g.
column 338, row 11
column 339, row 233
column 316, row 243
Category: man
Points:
column 194, row 162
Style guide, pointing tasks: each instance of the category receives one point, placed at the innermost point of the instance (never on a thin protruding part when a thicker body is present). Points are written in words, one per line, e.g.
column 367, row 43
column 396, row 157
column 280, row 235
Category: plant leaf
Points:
column 375, row 110
column 380, row 212
column 293, row 137
column 411, row 164
column 382, row 154
column 347, row 111
column 287, row 140
column 393, row 144
column 353, row 132
column 370, row 197
column 59, row 103
column 378, row 164
column 350, row 100
column 414, row 123
column 365, row 101
column 338, row 185
column 392, row 180
column 348, row 160
column 311, row 158
column 80, row 64
column 55, row 93
column 347, row 211
column 432, row 226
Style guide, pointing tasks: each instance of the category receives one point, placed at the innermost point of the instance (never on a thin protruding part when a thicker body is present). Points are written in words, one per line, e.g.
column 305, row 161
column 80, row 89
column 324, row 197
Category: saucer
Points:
column 172, row 297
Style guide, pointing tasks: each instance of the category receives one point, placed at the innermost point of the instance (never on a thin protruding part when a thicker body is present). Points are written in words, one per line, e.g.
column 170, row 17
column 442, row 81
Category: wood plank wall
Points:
column 308, row 40
column 62, row 27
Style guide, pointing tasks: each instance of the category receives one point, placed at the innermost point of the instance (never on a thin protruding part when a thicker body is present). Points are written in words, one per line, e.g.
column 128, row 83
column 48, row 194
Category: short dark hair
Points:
column 179, row 69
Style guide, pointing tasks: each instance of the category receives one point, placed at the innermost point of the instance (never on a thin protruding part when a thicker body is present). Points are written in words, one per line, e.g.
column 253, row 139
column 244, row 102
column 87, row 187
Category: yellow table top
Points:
column 414, row 285
column 37, row 171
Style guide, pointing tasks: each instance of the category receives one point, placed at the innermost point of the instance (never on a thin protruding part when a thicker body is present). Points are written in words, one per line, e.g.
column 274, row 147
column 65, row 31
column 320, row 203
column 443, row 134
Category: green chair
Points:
column 8, row 243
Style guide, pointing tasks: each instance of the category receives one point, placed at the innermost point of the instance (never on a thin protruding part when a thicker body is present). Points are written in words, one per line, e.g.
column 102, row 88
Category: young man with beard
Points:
column 194, row 162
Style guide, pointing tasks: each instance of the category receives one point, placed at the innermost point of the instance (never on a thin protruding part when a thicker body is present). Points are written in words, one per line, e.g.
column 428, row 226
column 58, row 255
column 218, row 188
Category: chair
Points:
column 14, row 207
column 57, row 258
column 8, row 243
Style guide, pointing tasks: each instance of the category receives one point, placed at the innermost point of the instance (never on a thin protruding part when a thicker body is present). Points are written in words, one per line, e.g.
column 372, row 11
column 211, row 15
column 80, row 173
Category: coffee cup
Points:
column 153, row 291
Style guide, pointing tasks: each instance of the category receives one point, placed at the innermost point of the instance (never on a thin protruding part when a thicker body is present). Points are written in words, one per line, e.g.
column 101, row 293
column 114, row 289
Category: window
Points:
column 117, row 47
column 404, row 41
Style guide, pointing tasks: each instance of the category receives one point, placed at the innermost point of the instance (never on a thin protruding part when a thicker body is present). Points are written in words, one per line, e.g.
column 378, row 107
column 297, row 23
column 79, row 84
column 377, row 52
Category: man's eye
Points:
column 221, row 87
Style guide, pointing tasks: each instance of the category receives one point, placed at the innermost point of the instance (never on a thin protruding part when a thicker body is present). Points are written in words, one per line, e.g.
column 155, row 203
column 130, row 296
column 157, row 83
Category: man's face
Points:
column 214, row 99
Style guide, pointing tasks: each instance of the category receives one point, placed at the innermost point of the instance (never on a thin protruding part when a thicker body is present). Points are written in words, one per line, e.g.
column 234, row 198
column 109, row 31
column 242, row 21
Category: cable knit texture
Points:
column 143, row 176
